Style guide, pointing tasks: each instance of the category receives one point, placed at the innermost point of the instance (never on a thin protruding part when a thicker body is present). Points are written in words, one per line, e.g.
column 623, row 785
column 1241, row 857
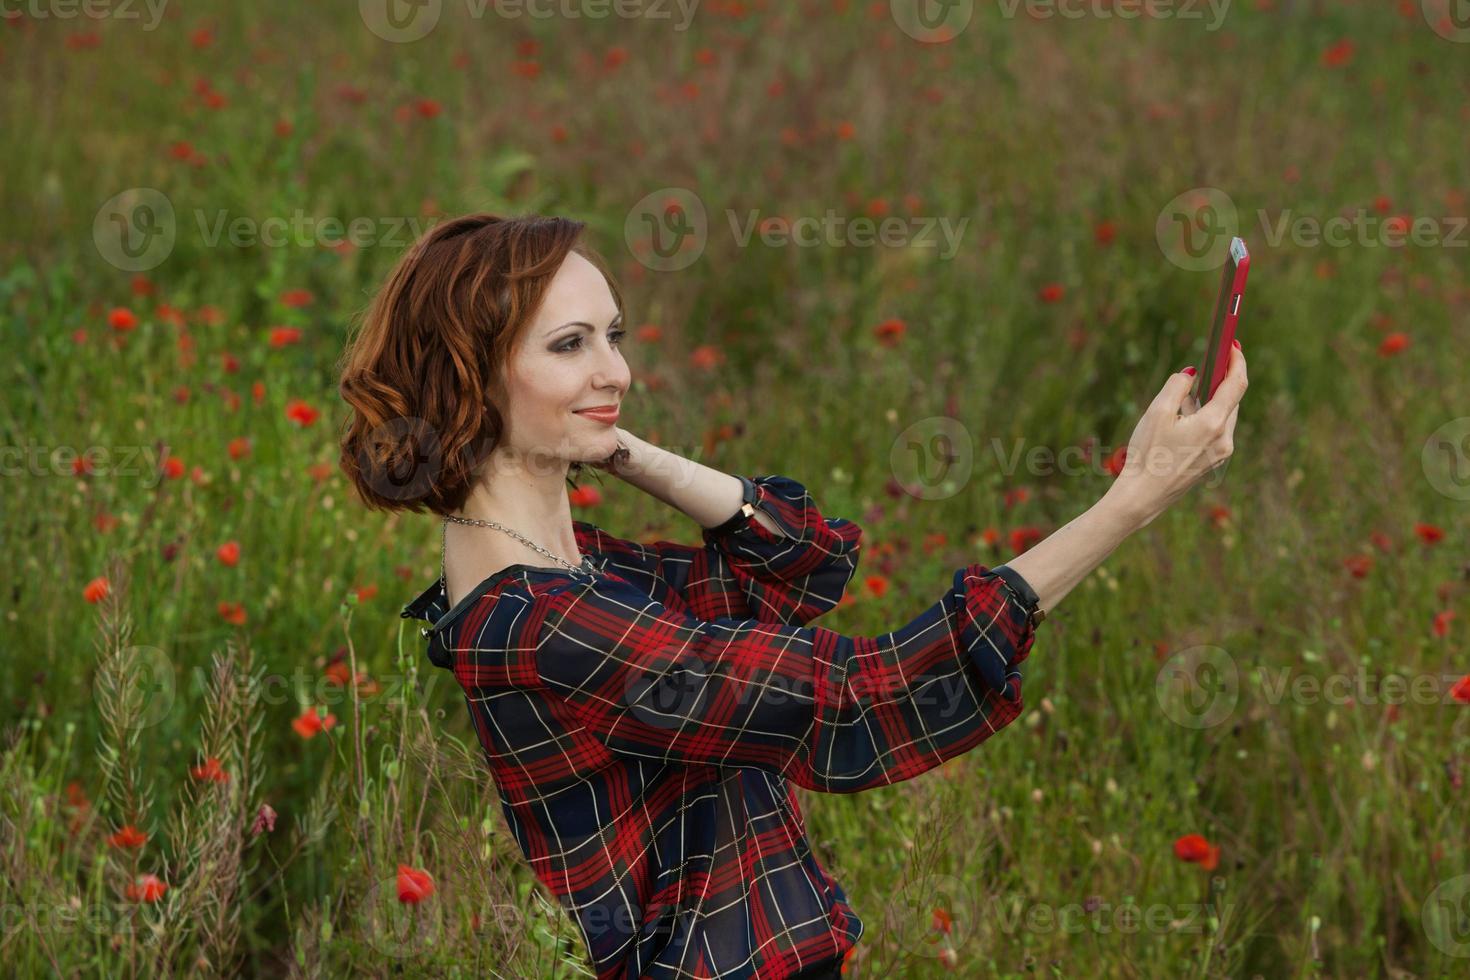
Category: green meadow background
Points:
column 1270, row 665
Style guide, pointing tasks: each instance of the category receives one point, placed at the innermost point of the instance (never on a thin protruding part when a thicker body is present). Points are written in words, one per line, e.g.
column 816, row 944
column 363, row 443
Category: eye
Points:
column 615, row 338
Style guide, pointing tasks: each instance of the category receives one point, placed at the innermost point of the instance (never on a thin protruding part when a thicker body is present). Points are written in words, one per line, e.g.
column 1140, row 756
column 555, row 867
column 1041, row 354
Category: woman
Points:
column 644, row 707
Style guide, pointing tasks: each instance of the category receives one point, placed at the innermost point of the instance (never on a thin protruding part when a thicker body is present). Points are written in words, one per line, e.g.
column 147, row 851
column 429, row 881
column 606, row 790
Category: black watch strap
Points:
column 743, row 515
column 1022, row 592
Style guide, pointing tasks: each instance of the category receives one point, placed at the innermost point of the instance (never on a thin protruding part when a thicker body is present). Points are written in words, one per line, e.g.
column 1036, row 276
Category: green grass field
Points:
column 1269, row 665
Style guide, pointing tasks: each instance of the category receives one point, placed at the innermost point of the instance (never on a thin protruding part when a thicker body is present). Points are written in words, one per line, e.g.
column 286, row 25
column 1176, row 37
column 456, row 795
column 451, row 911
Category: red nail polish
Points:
column 1189, row 370
column 1237, row 346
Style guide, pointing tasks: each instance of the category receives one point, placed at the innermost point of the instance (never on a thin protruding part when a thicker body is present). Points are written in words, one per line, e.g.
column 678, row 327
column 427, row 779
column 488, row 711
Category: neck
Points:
column 530, row 498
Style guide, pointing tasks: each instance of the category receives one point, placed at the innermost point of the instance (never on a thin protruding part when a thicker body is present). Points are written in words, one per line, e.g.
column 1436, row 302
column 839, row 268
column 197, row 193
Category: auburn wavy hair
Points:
column 423, row 376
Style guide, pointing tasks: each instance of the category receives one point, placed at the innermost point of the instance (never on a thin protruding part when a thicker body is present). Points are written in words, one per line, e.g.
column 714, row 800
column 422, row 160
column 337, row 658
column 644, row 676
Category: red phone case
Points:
column 1225, row 318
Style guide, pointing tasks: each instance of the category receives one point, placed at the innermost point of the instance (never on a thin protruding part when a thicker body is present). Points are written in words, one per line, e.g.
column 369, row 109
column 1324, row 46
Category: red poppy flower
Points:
column 128, row 838
column 1338, row 54
column 585, row 496
column 1024, row 537
column 1442, row 620
column 1052, row 292
column 282, row 336
column 209, row 771
column 705, row 356
column 148, row 888
column 311, row 721
column 96, row 590
column 233, row 612
column 1358, row 565
column 414, row 885
column 890, row 332
column 1429, row 533
column 1461, row 690
column 228, row 553
column 301, row 413
column 122, row 319
column 1393, row 343
column 1194, row 848
column 1104, row 232
column 296, row 298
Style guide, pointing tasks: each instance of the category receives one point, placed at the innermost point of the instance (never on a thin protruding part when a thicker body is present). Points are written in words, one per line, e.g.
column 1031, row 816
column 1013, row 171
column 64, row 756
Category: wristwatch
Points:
column 1021, row 592
column 743, row 515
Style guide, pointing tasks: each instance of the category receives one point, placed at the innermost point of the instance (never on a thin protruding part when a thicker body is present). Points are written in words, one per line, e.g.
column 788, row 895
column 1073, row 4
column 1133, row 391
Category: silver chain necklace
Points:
column 586, row 566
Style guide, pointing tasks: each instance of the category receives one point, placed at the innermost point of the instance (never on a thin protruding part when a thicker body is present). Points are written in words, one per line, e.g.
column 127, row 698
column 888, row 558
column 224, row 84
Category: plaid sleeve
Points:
column 833, row 713
column 748, row 572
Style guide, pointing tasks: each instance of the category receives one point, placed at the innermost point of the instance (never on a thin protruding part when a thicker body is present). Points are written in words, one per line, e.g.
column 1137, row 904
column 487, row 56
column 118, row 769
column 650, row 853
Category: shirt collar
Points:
column 431, row 604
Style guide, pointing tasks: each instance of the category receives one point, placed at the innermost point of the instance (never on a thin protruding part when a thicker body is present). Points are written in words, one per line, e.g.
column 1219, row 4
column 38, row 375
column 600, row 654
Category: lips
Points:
column 607, row 414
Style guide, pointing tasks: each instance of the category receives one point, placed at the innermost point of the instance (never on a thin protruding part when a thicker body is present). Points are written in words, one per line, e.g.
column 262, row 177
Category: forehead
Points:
column 578, row 291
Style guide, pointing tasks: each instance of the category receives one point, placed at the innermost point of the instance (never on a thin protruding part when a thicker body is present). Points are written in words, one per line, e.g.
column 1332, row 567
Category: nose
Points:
column 612, row 377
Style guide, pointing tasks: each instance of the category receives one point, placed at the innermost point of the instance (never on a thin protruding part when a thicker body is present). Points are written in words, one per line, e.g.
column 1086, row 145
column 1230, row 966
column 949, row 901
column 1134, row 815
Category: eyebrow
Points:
column 583, row 323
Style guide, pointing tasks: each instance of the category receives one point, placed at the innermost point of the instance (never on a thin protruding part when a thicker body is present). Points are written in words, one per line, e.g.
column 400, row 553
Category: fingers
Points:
column 1230, row 421
column 1172, row 397
column 1231, row 391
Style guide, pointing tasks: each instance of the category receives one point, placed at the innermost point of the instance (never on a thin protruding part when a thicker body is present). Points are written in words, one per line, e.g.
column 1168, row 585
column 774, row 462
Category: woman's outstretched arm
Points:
column 1170, row 450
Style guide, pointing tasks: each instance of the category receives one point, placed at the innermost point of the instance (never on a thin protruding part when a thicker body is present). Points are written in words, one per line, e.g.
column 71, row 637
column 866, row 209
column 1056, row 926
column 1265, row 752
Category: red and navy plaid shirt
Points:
column 644, row 722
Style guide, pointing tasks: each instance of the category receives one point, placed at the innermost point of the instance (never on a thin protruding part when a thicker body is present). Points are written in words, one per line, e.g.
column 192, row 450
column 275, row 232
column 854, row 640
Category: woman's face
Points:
column 568, row 359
